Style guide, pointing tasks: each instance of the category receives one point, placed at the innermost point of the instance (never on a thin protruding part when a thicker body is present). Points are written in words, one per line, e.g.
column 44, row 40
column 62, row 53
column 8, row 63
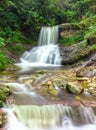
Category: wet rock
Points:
column 3, row 118
column 74, row 87
column 73, row 53
column 92, row 88
column 86, row 71
column 49, row 89
column 91, row 85
column 4, row 93
column 41, row 72
column 92, row 91
column 61, row 85
column 94, row 58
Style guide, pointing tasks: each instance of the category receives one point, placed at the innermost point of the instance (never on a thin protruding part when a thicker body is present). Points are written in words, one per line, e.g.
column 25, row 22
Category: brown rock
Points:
column 91, row 40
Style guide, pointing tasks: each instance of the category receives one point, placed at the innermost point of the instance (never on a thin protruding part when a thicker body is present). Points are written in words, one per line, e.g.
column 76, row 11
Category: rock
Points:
column 68, row 33
column 92, row 91
column 91, row 40
column 73, row 53
column 94, row 58
column 86, row 72
column 3, row 118
column 74, row 87
column 68, row 26
column 68, row 29
column 49, row 89
column 91, row 85
column 4, row 93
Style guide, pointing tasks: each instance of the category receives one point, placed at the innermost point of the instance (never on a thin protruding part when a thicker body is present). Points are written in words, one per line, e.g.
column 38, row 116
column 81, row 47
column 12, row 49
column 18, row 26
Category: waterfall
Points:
column 51, row 117
column 48, row 35
column 46, row 54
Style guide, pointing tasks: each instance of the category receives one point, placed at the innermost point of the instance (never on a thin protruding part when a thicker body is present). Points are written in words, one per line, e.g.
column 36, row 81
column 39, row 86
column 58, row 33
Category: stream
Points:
column 39, row 100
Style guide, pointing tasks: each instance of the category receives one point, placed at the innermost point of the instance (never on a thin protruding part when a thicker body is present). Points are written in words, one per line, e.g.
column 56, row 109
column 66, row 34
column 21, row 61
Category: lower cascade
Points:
column 51, row 117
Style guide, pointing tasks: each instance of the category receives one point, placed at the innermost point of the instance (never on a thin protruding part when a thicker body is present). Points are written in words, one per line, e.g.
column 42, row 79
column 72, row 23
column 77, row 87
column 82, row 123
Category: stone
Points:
column 68, row 26
column 74, row 87
column 3, row 118
column 73, row 53
column 91, row 40
column 4, row 93
column 48, row 89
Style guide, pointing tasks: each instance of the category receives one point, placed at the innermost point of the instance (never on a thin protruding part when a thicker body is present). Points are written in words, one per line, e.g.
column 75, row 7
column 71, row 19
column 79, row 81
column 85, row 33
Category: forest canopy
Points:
column 22, row 19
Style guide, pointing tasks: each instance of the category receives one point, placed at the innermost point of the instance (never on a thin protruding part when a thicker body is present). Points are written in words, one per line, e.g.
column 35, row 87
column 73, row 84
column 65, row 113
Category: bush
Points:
column 1, row 41
column 71, row 40
column 4, row 61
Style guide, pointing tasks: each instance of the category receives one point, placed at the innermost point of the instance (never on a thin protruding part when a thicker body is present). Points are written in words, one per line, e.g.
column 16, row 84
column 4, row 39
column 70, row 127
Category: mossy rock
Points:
column 74, row 53
column 48, row 89
column 74, row 87
column 91, row 40
column 68, row 26
column 3, row 118
column 4, row 93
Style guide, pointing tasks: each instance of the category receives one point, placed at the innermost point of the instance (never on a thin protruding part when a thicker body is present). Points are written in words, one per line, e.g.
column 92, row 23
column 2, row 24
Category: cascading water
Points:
column 51, row 117
column 46, row 53
column 33, row 110
column 48, row 35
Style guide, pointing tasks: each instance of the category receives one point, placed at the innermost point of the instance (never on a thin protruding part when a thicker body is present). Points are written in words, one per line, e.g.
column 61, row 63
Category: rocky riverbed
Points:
column 71, row 85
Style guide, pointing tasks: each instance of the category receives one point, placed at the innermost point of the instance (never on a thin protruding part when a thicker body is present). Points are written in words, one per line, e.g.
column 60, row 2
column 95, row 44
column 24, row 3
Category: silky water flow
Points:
column 33, row 111
column 46, row 54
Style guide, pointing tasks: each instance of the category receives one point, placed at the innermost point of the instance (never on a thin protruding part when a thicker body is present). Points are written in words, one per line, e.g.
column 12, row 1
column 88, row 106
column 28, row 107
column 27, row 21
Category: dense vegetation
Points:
column 21, row 20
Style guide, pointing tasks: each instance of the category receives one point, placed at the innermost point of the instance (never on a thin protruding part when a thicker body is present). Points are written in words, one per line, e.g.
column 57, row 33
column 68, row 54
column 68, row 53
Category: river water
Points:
column 36, row 107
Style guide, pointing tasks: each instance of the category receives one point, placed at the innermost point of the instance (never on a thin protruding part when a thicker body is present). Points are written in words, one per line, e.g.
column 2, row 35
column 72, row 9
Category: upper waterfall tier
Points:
column 45, row 55
column 47, row 51
column 48, row 35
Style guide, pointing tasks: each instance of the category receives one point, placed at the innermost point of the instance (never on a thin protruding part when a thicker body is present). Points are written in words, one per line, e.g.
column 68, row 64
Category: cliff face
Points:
column 76, row 42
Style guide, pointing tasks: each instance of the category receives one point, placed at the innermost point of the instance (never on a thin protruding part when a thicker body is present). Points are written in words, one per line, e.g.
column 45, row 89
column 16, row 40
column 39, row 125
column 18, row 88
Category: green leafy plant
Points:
column 1, row 41
column 71, row 40
column 93, row 47
column 17, row 49
column 4, row 61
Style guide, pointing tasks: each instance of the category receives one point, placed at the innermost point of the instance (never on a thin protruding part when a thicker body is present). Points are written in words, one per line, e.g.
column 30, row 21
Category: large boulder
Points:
column 73, row 53
column 74, row 87
column 68, row 29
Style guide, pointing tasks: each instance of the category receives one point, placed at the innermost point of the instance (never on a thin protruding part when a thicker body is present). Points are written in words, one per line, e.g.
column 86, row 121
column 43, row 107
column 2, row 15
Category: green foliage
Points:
column 93, row 47
column 91, row 32
column 88, row 26
column 66, row 41
column 16, row 37
column 24, row 18
column 17, row 49
column 1, row 41
column 4, row 61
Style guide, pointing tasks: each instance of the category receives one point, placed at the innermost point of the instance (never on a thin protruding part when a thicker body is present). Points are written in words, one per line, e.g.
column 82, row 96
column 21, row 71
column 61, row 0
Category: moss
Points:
column 3, row 118
column 4, row 93
column 92, row 48
column 67, row 41
column 4, row 60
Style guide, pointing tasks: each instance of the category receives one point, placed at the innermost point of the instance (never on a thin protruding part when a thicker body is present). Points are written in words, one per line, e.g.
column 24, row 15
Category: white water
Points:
column 46, row 54
column 39, row 116
column 48, row 35
column 48, row 117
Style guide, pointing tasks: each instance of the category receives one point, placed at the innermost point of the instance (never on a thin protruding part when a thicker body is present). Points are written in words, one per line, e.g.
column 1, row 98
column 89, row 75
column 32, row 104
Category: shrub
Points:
column 4, row 61
column 1, row 41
